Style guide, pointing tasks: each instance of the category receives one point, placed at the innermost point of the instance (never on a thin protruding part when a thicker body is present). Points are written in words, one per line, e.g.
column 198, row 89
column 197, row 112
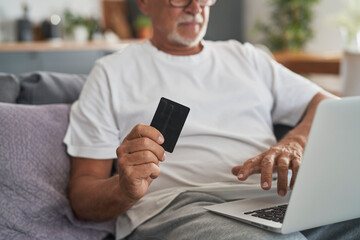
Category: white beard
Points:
column 175, row 37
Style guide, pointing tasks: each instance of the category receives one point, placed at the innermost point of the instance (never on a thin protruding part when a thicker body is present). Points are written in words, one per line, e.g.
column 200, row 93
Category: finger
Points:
column 144, row 171
column 132, row 176
column 295, row 165
column 235, row 170
column 251, row 166
column 138, row 158
column 282, row 171
column 142, row 130
column 267, row 168
column 142, row 144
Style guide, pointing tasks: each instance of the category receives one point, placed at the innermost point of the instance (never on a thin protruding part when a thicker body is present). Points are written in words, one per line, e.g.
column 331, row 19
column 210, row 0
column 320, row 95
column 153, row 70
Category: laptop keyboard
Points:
column 275, row 214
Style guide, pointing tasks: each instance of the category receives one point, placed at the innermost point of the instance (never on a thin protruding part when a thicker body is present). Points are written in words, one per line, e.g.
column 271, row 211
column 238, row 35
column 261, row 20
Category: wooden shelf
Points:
column 307, row 63
column 299, row 62
column 64, row 46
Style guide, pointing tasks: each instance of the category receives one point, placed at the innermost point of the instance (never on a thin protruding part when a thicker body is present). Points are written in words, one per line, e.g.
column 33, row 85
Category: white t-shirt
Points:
column 235, row 92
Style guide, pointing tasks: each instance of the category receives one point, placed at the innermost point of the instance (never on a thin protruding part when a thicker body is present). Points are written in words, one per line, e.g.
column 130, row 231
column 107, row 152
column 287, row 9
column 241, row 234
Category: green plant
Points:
column 142, row 21
column 290, row 26
column 71, row 21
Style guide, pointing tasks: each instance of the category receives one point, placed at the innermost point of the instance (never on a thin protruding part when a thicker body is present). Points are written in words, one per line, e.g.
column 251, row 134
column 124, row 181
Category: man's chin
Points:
column 185, row 41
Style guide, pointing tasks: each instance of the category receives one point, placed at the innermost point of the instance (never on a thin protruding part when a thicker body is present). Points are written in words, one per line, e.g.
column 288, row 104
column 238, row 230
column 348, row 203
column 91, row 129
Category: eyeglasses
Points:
column 185, row 3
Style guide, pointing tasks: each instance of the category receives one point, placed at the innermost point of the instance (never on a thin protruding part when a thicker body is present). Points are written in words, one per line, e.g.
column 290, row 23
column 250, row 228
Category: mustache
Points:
column 187, row 18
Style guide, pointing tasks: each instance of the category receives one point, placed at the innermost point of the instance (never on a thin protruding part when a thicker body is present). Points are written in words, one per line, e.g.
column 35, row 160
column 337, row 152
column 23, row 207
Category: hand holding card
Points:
column 169, row 119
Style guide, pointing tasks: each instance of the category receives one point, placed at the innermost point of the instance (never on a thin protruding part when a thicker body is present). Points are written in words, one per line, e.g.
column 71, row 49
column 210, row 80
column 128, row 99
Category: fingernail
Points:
column 265, row 185
column 164, row 157
column 160, row 139
column 281, row 193
column 240, row 175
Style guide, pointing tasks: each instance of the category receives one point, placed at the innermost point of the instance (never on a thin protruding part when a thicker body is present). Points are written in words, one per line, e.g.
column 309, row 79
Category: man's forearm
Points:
column 97, row 199
column 301, row 132
column 96, row 196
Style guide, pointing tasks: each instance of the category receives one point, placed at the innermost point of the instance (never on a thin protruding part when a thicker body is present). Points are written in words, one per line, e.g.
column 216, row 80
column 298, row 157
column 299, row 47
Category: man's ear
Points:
column 143, row 6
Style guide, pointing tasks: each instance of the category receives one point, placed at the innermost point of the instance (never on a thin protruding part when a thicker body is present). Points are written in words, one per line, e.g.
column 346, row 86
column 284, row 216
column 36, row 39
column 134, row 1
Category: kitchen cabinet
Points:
column 65, row 57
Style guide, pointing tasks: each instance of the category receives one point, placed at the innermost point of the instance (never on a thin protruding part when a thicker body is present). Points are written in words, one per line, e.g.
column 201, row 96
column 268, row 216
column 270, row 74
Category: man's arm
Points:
column 92, row 193
column 95, row 195
column 284, row 155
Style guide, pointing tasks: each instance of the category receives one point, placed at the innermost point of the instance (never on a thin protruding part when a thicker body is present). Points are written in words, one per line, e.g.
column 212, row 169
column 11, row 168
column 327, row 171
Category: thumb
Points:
column 235, row 170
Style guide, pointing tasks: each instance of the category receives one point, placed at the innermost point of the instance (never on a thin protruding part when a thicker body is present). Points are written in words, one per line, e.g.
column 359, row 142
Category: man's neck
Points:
column 178, row 50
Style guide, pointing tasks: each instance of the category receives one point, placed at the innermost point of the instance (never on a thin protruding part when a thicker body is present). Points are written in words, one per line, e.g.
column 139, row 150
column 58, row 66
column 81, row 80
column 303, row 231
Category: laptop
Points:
column 327, row 186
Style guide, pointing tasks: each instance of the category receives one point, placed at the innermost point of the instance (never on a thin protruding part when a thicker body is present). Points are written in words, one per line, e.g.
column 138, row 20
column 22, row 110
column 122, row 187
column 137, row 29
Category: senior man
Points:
column 236, row 93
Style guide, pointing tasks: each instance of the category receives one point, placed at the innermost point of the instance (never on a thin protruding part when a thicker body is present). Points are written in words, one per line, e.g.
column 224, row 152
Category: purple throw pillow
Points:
column 34, row 173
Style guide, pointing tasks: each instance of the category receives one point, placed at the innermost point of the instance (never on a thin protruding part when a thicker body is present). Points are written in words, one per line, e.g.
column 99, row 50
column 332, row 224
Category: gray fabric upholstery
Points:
column 9, row 88
column 34, row 173
column 50, row 87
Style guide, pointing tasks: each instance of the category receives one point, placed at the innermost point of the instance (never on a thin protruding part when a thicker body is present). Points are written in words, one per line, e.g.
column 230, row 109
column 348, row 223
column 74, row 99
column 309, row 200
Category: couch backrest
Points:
column 49, row 87
column 40, row 88
column 9, row 88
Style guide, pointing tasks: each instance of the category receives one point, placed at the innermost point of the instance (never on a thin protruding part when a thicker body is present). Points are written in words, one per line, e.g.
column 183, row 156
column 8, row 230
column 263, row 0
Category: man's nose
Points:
column 194, row 7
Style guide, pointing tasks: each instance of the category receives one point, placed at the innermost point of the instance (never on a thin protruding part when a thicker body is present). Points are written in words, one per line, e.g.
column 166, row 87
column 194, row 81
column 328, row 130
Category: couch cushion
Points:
column 9, row 88
column 50, row 87
column 34, row 173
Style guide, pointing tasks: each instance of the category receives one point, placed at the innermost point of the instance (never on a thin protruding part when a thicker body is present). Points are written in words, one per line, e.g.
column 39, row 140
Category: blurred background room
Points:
column 317, row 38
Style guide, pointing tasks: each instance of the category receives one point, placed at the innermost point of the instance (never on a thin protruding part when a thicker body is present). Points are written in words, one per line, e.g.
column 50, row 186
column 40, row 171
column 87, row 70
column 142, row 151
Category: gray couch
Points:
column 34, row 166
column 40, row 88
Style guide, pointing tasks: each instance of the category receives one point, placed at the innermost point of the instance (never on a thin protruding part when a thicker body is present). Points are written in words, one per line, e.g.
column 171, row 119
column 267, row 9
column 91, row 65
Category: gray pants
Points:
column 185, row 218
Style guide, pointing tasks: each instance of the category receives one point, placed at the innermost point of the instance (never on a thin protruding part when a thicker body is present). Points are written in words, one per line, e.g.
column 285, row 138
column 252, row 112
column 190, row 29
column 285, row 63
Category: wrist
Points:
column 123, row 201
column 295, row 137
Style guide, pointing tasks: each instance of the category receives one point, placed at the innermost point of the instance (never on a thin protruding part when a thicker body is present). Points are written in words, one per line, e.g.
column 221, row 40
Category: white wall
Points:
column 327, row 36
column 10, row 10
column 40, row 9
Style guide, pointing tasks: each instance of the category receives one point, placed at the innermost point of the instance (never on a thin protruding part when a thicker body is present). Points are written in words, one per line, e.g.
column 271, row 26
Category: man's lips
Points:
column 190, row 20
column 190, row 23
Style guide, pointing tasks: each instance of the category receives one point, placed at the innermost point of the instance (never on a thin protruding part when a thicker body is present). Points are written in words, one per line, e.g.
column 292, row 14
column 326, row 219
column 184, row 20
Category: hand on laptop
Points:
column 280, row 158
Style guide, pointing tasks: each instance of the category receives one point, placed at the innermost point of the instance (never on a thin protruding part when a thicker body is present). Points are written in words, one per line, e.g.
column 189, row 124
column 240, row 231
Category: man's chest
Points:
column 216, row 101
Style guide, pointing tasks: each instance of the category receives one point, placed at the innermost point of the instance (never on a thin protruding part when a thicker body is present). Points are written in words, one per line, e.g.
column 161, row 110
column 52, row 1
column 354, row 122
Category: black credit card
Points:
column 169, row 119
